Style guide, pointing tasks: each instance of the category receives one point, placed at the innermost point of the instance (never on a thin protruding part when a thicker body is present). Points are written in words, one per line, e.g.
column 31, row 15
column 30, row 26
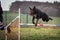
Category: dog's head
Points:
column 32, row 11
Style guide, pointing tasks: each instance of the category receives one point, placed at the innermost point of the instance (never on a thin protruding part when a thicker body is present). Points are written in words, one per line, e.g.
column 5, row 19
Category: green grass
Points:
column 39, row 34
column 56, row 20
column 2, row 35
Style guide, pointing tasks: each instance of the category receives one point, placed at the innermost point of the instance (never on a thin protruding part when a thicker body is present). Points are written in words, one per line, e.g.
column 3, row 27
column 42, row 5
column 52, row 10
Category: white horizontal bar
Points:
column 42, row 24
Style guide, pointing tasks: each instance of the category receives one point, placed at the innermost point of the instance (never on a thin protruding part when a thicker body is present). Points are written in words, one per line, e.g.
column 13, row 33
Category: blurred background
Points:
column 11, row 11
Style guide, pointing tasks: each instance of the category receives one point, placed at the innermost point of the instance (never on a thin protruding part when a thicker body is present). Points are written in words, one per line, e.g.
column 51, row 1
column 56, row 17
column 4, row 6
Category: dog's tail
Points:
column 50, row 18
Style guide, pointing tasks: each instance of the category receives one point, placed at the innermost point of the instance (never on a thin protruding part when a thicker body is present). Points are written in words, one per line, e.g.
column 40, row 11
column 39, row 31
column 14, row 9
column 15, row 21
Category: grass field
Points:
column 39, row 34
column 2, row 35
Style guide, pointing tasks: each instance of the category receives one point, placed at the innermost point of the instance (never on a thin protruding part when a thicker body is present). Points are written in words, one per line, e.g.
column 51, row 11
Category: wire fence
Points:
column 9, row 19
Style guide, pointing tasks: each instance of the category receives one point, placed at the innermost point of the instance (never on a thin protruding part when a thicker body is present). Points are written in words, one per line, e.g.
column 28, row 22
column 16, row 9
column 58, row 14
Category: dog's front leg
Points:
column 33, row 20
column 36, row 22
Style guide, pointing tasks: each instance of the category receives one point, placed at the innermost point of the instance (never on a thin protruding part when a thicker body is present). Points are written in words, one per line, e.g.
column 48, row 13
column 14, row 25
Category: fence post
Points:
column 27, row 19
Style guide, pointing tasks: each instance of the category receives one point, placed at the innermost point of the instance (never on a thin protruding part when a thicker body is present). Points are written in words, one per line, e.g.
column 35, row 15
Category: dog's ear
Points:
column 34, row 7
column 30, row 8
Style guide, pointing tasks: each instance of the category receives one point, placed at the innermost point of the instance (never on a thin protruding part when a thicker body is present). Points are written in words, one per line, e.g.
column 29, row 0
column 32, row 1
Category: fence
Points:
column 8, row 19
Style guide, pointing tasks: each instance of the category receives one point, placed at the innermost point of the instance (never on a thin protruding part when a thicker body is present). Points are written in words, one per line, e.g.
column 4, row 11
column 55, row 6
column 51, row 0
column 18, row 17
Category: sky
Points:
column 6, row 3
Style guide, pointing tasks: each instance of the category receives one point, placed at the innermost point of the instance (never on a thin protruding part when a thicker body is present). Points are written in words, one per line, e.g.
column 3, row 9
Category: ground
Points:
column 39, row 34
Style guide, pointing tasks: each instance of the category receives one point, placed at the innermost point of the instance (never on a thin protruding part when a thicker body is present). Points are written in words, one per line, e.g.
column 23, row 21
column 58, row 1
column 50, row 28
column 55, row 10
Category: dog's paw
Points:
column 35, row 24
